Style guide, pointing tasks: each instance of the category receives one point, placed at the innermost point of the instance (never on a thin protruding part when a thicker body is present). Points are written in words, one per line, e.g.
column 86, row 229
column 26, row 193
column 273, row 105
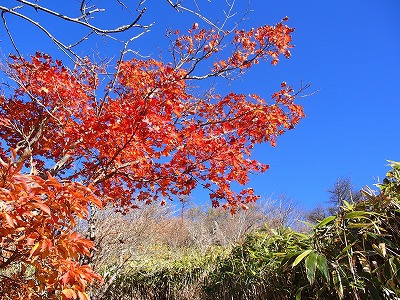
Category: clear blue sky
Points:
column 349, row 52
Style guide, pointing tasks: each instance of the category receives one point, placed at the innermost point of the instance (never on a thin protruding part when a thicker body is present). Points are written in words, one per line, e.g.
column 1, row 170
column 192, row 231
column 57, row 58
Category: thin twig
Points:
column 9, row 34
column 86, row 24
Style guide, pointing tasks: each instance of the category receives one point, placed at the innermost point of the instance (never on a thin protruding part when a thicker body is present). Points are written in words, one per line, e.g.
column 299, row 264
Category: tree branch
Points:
column 86, row 24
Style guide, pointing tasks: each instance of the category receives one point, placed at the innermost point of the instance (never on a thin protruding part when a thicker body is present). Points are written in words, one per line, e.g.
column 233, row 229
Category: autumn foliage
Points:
column 150, row 136
column 37, row 218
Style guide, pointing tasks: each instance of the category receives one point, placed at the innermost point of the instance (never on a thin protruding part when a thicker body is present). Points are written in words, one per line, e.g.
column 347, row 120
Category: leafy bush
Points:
column 166, row 273
column 361, row 247
column 351, row 255
column 253, row 269
column 354, row 254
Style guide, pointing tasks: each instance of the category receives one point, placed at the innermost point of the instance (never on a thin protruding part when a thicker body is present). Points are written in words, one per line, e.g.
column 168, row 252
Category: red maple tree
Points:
column 149, row 137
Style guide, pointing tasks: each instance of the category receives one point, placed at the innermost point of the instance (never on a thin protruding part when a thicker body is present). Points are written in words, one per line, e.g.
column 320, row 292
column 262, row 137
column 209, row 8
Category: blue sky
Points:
column 347, row 50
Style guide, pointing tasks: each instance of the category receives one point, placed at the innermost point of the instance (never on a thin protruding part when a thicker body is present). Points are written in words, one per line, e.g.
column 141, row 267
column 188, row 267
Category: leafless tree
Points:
column 343, row 190
column 316, row 214
column 216, row 226
column 121, row 238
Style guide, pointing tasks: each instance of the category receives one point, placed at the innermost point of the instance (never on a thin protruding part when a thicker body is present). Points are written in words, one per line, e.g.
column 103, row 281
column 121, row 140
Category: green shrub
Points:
column 354, row 254
column 254, row 269
column 166, row 273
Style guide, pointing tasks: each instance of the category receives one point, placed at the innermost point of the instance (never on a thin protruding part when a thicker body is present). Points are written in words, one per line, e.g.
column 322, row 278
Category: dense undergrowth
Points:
column 354, row 254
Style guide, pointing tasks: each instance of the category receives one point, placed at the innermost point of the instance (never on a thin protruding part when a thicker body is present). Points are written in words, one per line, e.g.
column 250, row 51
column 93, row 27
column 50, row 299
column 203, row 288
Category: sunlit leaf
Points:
column 322, row 266
column 69, row 293
column 311, row 266
column 325, row 221
column 300, row 257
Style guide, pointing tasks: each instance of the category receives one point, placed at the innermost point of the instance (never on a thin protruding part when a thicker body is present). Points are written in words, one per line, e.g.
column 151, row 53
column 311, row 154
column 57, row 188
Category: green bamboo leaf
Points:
column 288, row 258
column 358, row 214
column 394, row 265
column 348, row 205
column 359, row 225
column 300, row 257
column 308, row 224
column 337, row 282
column 345, row 249
column 279, row 254
column 373, row 235
column 302, row 235
column 325, row 221
column 322, row 265
column 311, row 266
column 298, row 295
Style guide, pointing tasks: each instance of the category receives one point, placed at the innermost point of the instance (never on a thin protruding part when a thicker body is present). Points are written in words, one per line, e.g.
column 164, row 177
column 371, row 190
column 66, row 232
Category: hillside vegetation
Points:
column 353, row 254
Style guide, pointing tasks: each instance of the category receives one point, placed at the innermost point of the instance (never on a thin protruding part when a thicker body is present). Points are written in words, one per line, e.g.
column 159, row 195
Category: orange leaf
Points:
column 30, row 241
column 83, row 295
column 43, row 207
column 10, row 220
column 69, row 293
column 65, row 278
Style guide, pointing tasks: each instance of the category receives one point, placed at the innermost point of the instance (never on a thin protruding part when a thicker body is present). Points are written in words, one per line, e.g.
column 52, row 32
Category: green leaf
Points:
column 279, row 254
column 311, row 266
column 302, row 235
column 373, row 235
column 348, row 205
column 345, row 249
column 337, row 282
column 394, row 265
column 308, row 224
column 359, row 225
column 325, row 221
column 300, row 257
column 298, row 295
column 358, row 214
column 322, row 265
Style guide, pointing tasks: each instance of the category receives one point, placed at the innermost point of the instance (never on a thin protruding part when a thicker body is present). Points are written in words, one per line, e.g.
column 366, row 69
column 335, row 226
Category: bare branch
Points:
column 86, row 24
column 9, row 33
column 82, row 20
column 67, row 51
